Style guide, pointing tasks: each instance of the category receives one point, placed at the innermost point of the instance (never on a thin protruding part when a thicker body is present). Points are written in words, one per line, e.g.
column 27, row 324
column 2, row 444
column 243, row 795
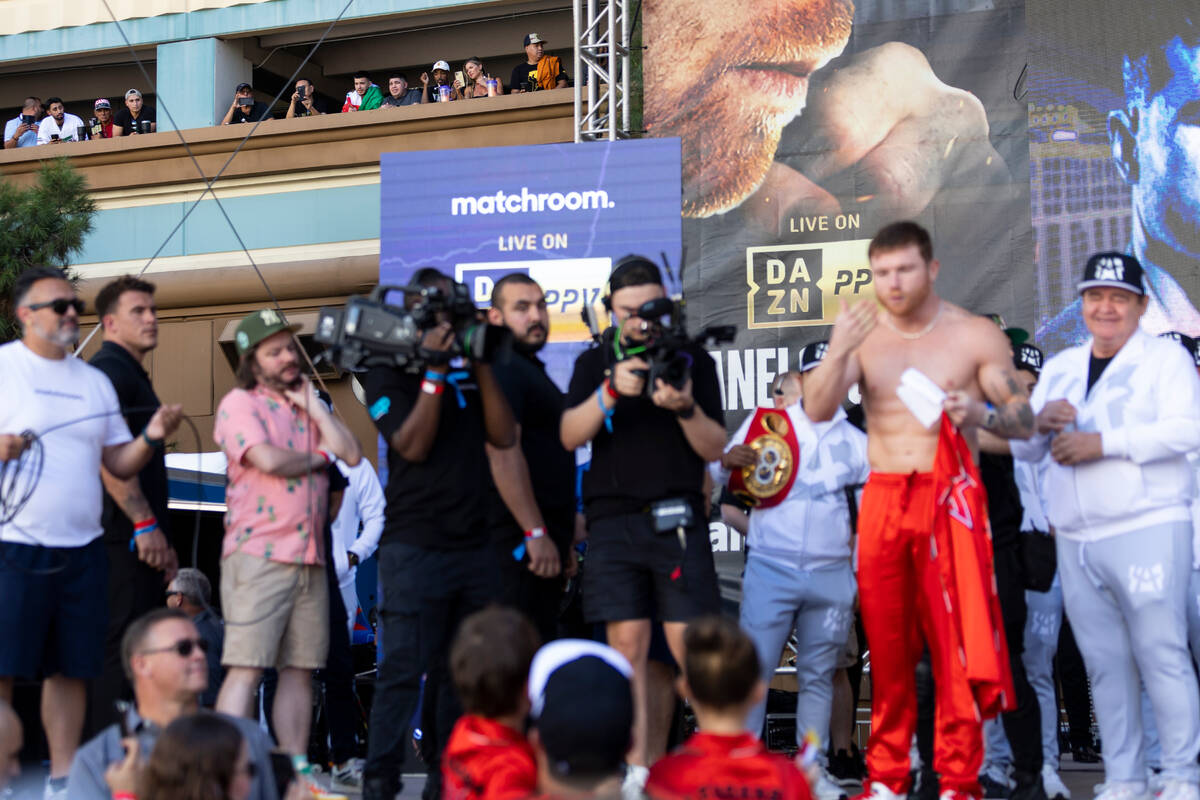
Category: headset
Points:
column 619, row 270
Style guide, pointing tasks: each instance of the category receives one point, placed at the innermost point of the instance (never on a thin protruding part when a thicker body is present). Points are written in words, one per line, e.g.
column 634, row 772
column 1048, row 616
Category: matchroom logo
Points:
column 798, row 285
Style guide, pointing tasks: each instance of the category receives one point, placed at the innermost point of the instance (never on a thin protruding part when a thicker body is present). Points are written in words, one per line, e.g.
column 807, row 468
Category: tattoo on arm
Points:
column 1014, row 417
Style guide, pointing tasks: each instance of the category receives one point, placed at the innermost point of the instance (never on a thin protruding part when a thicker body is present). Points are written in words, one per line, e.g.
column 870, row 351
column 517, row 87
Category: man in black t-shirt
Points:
column 531, row 547
column 140, row 557
column 436, row 563
column 525, row 76
column 646, row 451
column 129, row 119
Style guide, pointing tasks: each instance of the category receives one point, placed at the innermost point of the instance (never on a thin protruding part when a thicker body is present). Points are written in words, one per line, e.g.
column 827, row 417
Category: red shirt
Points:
column 488, row 761
column 712, row 766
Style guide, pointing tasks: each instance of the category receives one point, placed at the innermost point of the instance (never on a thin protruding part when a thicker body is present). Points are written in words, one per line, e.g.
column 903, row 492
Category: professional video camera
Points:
column 664, row 349
column 369, row 331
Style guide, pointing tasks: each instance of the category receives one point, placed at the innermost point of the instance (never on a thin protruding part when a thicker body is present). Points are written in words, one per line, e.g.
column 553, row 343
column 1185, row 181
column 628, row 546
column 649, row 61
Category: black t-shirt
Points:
column 438, row 503
column 646, row 457
column 434, row 94
column 411, row 96
column 257, row 111
column 318, row 106
column 124, row 119
column 134, row 391
column 537, row 406
column 527, row 73
column 1096, row 368
column 1003, row 499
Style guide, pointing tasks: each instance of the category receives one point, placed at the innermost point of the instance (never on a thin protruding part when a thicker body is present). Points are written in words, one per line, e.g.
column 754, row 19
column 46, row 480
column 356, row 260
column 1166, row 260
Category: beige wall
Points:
column 19, row 16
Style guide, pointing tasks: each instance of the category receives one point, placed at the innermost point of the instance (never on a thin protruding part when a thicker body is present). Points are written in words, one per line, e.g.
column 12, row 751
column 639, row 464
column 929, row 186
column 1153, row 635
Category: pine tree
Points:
column 43, row 224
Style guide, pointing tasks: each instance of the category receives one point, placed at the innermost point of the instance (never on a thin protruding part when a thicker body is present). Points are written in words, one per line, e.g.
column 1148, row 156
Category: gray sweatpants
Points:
column 819, row 606
column 1127, row 599
column 1041, row 643
column 1153, row 745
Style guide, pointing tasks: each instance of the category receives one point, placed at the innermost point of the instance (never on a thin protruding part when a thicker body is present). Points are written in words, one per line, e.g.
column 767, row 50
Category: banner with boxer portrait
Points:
column 806, row 127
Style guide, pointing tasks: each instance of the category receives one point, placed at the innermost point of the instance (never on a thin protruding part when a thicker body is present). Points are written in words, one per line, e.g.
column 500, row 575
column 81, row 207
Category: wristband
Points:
column 609, row 390
column 608, row 412
column 145, row 526
column 435, row 376
column 325, row 455
column 687, row 413
column 151, row 442
column 124, row 796
column 535, row 533
column 432, row 387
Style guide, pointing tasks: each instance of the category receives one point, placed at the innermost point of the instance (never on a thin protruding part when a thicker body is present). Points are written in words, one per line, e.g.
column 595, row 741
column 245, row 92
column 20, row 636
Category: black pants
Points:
column 537, row 598
column 1076, row 693
column 424, row 595
column 1022, row 725
column 133, row 589
column 341, row 703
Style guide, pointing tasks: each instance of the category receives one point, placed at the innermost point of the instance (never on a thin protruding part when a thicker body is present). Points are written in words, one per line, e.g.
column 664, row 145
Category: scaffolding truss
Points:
column 602, row 69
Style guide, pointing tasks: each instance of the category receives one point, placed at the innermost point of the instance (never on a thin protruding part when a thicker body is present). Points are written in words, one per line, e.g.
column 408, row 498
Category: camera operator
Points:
column 436, row 563
column 546, row 513
column 53, row 565
column 645, row 451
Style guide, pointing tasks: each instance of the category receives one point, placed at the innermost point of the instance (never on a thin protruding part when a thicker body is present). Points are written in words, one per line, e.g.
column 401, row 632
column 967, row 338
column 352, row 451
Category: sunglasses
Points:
column 778, row 392
column 183, row 648
column 58, row 306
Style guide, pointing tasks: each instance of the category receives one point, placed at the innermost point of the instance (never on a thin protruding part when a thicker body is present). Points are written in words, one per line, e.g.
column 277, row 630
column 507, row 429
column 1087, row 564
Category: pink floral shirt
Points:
column 280, row 519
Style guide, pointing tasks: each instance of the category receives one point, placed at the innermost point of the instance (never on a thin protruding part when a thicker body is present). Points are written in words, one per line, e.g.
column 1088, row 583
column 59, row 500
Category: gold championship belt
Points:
column 768, row 480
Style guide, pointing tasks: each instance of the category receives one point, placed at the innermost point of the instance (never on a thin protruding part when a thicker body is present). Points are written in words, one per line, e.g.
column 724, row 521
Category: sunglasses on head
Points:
column 183, row 648
column 58, row 306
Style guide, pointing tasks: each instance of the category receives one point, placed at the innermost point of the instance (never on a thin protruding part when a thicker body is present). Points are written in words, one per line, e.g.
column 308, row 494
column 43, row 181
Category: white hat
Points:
column 441, row 65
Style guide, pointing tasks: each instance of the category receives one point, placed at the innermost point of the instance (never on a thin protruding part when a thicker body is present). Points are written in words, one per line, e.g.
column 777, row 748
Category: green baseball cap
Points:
column 259, row 325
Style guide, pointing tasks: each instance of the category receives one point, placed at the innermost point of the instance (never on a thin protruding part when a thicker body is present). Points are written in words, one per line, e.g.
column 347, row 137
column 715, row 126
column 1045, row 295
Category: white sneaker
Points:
column 54, row 794
column 1053, row 785
column 877, row 791
column 635, row 781
column 1114, row 790
column 827, row 788
column 347, row 776
column 1179, row 790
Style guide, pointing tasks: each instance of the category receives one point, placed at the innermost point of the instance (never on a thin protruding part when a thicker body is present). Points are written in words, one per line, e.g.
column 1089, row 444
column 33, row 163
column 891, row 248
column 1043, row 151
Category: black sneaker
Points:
column 844, row 769
column 924, row 785
column 1085, row 754
column 992, row 788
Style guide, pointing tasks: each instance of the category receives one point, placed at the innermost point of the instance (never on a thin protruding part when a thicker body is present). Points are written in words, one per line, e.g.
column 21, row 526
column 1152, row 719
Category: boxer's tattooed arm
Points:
column 1012, row 417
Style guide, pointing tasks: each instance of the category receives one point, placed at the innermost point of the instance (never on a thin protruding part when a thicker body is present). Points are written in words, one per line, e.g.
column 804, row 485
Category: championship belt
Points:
column 768, row 480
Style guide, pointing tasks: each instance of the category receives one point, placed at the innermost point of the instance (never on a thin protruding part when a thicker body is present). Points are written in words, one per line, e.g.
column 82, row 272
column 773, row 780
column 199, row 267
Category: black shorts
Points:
column 53, row 610
column 632, row 572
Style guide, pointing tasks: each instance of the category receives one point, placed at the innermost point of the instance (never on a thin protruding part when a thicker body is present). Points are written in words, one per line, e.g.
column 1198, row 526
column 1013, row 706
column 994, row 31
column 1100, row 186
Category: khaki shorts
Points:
column 283, row 611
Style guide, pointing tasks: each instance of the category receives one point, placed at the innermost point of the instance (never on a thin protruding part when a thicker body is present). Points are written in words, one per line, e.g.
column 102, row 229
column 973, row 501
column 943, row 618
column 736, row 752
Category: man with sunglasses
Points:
column 53, row 564
column 191, row 592
column 798, row 577
column 164, row 656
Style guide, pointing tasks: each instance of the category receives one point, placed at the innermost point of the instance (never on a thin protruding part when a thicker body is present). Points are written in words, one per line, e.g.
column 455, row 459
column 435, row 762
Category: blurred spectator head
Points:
column 56, row 109
column 11, row 740
column 133, row 101
column 535, row 45
column 163, row 656
column 581, row 706
column 489, row 662
column 33, row 106
column 362, row 81
column 243, row 90
column 397, row 85
column 198, row 757
column 720, row 668
column 474, row 69
column 103, row 110
column 307, row 84
column 189, row 591
column 440, row 72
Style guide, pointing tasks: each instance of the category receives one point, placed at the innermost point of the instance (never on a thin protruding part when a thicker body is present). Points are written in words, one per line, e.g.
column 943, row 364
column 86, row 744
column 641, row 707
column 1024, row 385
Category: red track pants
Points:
column 903, row 604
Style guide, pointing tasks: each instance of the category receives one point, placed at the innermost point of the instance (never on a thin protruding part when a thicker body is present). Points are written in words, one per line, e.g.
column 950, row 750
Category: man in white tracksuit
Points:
column 798, row 575
column 1118, row 415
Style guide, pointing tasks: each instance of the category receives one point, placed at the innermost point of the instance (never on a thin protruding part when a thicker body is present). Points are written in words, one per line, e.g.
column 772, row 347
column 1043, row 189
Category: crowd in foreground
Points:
column 1089, row 490
column 49, row 123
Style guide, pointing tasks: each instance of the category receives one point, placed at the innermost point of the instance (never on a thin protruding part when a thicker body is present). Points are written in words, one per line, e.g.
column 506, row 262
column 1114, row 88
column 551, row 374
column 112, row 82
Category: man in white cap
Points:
column 1118, row 416
column 431, row 89
column 798, row 576
column 539, row 71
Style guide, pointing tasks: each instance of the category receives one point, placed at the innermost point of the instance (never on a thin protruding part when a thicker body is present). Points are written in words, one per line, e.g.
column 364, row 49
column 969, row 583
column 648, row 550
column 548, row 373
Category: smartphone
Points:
column 462, row 79
column 54, row 137
column 27, row 119
column 301, row 91
column 283, row 770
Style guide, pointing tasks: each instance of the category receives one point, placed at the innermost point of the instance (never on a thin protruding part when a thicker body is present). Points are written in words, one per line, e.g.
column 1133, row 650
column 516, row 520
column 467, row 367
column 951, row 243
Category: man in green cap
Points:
column 279, row 439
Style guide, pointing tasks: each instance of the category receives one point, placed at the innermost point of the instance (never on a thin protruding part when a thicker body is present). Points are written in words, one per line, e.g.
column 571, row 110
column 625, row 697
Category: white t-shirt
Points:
column 40, row 393
column 70, row 131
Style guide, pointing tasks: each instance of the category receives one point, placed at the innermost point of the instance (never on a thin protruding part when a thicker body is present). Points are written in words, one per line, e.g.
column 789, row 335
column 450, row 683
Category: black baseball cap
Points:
column 1189, row 344
column 1118, row 270
column 581, row 702
column 812, row 354
column 241, row 86
column 1028, row 357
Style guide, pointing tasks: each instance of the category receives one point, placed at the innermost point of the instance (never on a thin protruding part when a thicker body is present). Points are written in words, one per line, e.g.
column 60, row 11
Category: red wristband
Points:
column 535, row 533
column 609, row 390
column 146, row 524
column 429, row 387
column 124, row 796
column 325, row 455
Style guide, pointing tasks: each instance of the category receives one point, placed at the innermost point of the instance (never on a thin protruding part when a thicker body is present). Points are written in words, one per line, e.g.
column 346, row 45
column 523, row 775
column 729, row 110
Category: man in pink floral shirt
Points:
column 279, row 440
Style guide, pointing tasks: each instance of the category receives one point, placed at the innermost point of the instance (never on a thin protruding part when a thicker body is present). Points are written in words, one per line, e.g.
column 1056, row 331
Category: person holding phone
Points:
column 244, row 107
column 476, row 84
column 304, row 101
column 59, row 126
column 22, row 130
column 431, row 85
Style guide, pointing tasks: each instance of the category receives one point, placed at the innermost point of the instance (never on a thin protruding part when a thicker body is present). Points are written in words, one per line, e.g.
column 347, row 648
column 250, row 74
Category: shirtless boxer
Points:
column 900, row 590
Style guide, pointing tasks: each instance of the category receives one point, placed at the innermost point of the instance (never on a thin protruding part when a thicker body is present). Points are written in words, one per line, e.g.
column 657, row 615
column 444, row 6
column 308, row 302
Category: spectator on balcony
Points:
column 244, row 107
column 366, row 95
column 59, row 126
column 540, row 70
column 130, row 118
column 103, row 129
column 432, row 89
column 21, row 130
column 399, row 94
column 305, row 102
column 477, row 79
